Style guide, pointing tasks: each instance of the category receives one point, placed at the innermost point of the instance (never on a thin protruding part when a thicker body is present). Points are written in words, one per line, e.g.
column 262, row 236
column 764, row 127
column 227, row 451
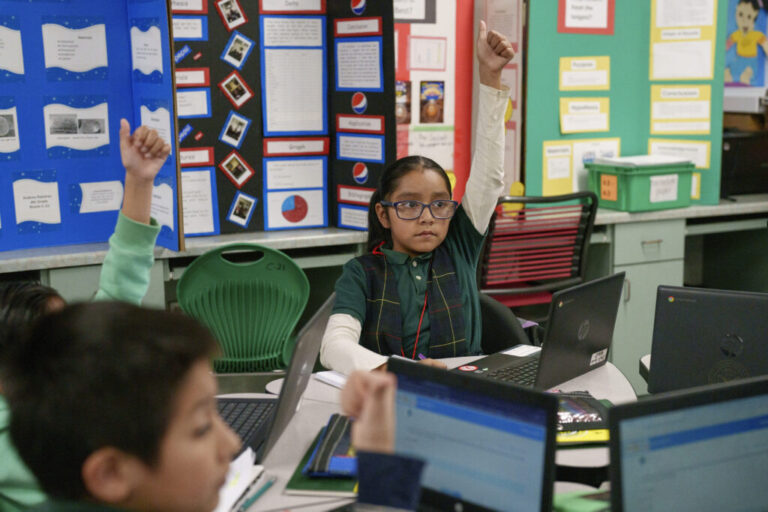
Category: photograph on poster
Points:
column 234, row 130
column 432, row 97
column 237, row 50
column 403, row 102
column 76, row 128
column 236, row 90
column 231, row 13
column 242, row 209
column 9, row 131
column 236, row 169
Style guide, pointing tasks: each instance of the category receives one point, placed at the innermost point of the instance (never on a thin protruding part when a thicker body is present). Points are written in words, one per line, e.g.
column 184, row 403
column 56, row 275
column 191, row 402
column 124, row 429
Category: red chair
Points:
column 535, row 246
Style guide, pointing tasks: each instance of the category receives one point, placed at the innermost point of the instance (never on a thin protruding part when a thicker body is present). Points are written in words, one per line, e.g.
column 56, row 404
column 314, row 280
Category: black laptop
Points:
column 703, row 336
column 260, row 421
column 577, row 338
column 697, row 450
column 488, row 445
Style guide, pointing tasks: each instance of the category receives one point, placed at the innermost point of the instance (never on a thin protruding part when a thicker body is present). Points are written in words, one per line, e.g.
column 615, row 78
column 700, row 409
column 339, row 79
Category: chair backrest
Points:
column 251, row 297
column 540, row 245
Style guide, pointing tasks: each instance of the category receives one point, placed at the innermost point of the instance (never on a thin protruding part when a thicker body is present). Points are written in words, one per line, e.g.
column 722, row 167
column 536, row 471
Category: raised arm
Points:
column 486, row 178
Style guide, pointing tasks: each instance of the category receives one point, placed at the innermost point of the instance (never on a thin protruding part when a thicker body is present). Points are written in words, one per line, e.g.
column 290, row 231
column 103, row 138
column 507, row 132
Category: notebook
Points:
column 705, row 336
column 488, row 445
column 576, row 340
column 260, row 421
column 701, row 449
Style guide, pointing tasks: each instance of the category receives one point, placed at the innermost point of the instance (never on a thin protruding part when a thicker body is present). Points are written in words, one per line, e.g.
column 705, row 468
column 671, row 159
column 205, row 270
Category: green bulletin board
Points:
column 629, row 93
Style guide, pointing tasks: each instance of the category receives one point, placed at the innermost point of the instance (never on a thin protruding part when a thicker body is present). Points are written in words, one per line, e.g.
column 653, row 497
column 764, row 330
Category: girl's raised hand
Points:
column 494, row 51
column 143, row 153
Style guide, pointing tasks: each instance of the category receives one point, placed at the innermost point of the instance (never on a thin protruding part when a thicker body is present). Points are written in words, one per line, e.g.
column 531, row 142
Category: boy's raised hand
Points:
column 370, row 398
column 494, row 51
column 143, row 153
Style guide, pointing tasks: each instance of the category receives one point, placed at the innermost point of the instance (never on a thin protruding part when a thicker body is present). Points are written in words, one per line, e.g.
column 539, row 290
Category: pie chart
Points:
column 294, row 208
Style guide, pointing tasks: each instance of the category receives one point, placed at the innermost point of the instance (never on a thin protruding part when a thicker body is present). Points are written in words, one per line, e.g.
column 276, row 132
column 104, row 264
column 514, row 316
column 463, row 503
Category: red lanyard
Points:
column 418, row 331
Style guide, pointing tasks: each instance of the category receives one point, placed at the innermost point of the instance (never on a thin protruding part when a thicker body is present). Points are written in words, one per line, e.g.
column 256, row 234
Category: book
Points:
column 305, row 486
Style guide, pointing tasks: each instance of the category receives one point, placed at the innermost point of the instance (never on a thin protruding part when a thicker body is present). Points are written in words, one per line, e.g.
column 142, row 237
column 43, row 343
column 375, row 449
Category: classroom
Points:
column 271, row 255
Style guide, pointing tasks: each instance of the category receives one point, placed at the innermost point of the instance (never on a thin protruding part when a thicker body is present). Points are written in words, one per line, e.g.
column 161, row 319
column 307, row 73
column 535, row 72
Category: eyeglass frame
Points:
column 423, row 206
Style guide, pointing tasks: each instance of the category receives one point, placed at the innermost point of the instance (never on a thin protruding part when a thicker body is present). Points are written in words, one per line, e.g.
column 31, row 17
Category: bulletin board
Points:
column 68, row 73
column 634, row 78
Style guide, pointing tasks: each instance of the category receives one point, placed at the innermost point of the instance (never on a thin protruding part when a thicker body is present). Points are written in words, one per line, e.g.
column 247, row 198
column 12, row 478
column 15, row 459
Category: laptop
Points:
column 260, row 421
column 488, row 445
column 705, row 336
column 576, row 340
column 701, row 449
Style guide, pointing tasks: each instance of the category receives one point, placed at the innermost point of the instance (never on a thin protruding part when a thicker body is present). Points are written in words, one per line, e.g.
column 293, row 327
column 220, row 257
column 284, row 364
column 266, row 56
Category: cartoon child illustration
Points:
column 742, row 65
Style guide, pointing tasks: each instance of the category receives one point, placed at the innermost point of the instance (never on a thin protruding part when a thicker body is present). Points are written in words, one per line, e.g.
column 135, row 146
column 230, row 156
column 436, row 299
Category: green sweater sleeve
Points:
column 18, row 488
column 125, row 272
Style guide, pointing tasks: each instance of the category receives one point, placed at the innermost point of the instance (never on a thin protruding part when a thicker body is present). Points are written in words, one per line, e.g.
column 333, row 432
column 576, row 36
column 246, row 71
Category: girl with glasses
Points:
column 415, row 293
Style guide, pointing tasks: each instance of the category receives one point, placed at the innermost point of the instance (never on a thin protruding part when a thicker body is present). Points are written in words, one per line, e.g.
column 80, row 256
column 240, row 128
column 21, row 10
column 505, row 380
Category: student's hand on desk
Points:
column 143, row 153
column 369, row 397
column 434, row 363
column 494, row 51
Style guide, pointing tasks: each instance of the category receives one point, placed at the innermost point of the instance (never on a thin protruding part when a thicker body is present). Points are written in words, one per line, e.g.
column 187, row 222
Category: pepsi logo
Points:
column 360, row 173
column 359, row 103
column 358, row 6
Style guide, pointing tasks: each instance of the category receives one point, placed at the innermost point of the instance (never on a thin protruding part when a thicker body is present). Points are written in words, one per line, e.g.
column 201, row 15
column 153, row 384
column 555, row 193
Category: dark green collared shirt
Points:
column 464, row 244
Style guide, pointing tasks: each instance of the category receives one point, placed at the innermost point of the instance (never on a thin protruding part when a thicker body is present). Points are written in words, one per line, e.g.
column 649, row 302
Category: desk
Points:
column 720, row 246
column 321, row 400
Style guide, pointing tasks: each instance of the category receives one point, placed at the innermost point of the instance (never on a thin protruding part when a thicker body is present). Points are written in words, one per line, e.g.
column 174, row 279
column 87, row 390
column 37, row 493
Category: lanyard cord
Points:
column 421, row 318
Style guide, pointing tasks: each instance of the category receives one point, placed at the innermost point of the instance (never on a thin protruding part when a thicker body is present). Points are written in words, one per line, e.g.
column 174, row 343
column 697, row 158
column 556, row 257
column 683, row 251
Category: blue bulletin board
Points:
column 70, row 71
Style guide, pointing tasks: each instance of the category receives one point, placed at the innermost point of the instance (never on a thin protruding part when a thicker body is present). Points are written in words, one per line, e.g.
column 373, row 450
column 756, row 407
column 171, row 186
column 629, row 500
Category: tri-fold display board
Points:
column 69, row 71
column 286, row 111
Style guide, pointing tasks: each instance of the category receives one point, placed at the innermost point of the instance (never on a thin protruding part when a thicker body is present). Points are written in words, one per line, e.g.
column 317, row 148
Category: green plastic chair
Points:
column 251, row 306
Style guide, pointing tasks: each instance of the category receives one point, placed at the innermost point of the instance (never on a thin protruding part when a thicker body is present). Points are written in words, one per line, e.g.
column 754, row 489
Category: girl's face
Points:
column 425, row 233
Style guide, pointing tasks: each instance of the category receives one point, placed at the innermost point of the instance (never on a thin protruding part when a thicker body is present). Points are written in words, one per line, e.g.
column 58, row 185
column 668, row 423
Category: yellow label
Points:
column 585, row 73
column 609, row 187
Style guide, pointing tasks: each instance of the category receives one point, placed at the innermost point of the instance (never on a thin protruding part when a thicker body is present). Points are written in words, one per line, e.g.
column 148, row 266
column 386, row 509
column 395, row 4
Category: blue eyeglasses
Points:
column 411, row 209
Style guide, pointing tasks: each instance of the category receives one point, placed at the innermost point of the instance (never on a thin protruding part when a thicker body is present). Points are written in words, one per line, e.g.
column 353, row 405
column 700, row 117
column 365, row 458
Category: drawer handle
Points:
column 649, row 242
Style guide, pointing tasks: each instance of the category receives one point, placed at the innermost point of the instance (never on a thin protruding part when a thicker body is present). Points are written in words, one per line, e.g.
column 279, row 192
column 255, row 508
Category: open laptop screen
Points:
column 485, row 452
column 696, row 456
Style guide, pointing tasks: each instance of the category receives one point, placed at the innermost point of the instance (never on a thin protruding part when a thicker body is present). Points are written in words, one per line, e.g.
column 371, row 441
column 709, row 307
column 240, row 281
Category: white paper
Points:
column 355, row 195
column 664, row 188
column 684, row 13
column 159, row 120
column 76, row 50
column 188, row 28
column 309, row 208
column 332, row 378
column 584, row 122
column 192, row 103
column 242, row 472
column 9, row 130
column 292, row 31
column 681, row 127
column 640, row 161
column 409, row 9
column 190, row 77
column 427, row 53
column 694, row 185
column 673, row 34
column 558, row 168
column 688, row 60
column 197, row 202
column 195, row 157
column 586, row 13
column 162, row 205
column 103, row 196
column 361, row 148
column 279, row 147
column 365, row 124
column 509, row 78
column 353, row 217
column 36, row 201
column 695, row 152
column 292, row 174
column 501, row 16
column 584, row 78
column 11, row 55
column 294, row 90
column 146, row 50
column 76, row 128
column 680, row 109
column 351, row 27
column 358, row 65
column 187, row 5
column 588, row 151
column 521, row 350
column 291, row 5
column 437, row 145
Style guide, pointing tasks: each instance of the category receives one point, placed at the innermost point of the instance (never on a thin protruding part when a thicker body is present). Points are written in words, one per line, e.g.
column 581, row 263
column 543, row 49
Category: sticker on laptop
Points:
column 467, row 368
column 598, row 357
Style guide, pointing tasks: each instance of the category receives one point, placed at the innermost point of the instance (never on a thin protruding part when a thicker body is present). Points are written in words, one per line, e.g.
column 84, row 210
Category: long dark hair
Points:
column 22, row 302
column 387, row 184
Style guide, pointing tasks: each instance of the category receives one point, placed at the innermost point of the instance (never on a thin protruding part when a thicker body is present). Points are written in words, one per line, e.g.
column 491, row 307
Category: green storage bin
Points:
column 641, row 183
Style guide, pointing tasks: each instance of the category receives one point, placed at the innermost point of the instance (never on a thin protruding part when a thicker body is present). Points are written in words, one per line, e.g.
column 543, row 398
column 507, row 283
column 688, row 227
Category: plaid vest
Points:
column 382, row 331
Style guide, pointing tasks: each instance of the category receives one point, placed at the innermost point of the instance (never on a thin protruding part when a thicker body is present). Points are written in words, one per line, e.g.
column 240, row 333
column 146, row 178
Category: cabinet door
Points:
column 634, row 325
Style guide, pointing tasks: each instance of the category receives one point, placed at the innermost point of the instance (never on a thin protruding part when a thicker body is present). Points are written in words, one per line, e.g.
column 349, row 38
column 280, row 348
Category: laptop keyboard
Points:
column 524, row 374
column 244, row 416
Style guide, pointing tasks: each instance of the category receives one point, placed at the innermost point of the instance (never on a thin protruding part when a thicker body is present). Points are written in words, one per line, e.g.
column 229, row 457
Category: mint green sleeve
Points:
column 126, row 268
column 18, row 487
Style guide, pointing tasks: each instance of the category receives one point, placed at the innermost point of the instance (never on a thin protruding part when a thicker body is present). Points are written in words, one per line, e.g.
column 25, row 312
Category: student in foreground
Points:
column 124, row 276
column 415, row 294
column 114, row 407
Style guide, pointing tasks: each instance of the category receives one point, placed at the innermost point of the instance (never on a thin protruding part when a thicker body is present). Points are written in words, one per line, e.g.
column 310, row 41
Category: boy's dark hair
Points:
column 21, row 302
column 96, row 375
column 387, row 184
